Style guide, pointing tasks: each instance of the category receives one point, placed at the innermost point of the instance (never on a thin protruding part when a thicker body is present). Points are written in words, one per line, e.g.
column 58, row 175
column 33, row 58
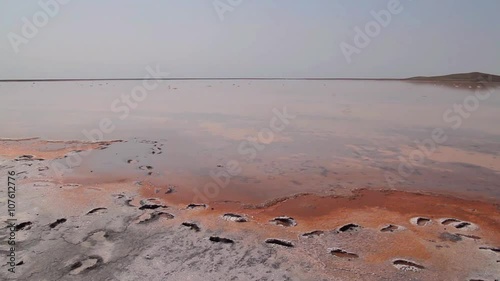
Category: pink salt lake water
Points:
column 344, row 134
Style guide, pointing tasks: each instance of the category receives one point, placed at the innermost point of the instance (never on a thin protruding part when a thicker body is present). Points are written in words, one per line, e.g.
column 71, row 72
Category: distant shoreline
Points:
column 199, row 79
column 473, row 77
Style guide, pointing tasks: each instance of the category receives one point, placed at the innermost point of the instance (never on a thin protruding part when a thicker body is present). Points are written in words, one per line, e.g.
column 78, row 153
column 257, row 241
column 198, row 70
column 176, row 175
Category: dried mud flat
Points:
column 135, row 229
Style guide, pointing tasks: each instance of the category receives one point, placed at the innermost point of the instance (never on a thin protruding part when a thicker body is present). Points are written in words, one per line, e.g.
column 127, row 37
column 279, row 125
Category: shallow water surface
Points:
column 257, row 140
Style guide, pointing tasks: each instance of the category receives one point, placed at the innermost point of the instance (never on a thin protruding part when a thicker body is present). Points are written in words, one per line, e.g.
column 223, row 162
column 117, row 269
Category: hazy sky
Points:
column 256, row 38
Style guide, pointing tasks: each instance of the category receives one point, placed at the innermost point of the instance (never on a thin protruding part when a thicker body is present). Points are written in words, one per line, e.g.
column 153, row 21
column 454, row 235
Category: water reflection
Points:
column 346, row 134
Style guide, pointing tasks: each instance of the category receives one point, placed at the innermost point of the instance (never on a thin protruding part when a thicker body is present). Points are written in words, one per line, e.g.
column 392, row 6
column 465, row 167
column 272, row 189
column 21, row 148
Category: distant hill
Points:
column 472, row 77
